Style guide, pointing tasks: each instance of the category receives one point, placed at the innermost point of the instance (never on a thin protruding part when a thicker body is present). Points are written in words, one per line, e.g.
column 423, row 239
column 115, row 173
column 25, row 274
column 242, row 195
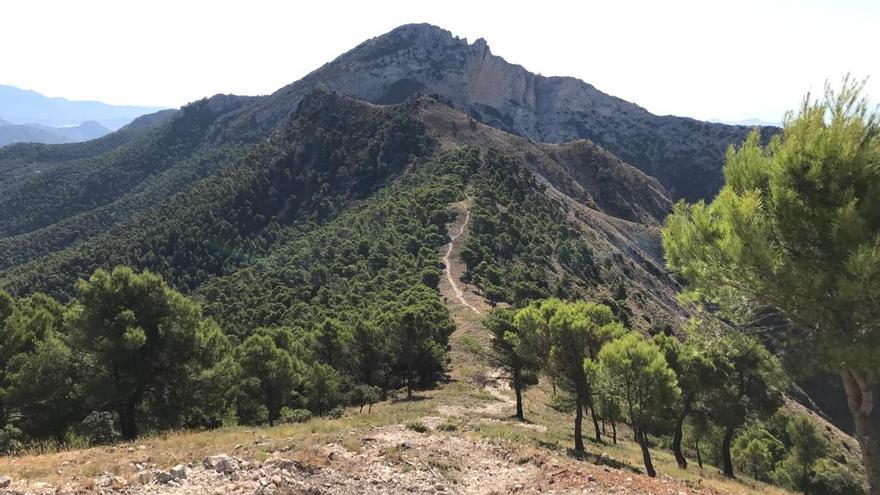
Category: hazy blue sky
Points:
column 707, row 59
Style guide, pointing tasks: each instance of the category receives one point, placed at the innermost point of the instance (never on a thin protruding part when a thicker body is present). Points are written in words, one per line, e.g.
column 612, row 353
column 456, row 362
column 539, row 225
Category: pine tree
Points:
column 644, row 384
column 796, row 228
column 515, row 351
column 573, row 332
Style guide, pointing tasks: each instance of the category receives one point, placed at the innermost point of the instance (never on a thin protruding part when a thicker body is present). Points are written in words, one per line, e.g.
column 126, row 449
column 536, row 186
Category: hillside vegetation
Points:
column 332, row 294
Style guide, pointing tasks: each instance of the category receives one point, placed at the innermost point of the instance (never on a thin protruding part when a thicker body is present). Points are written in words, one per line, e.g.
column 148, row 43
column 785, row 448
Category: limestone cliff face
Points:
column 686, row 155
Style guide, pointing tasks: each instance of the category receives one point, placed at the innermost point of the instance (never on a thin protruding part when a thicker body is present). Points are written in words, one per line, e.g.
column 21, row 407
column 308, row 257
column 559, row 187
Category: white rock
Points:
column 104, row 480
column 5, row 481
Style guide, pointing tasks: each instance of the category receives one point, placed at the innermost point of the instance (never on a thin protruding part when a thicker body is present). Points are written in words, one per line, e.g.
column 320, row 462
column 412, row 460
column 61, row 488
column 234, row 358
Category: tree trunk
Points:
column 646, row 454
column 860, row 398
column 578, row 419
column 676, row 441
column 725, row 452
column 270, row 406
column 613, row 431
column 595, row 420
column 699, row 456
column 519, row 404
column 408, row 388
column 128, row 419
column 680, row 459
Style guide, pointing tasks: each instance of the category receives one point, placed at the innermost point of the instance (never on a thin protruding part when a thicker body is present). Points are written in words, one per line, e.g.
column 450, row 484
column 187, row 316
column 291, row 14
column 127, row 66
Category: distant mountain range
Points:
column 38, row 133
column 28, row 116
column 748, row 122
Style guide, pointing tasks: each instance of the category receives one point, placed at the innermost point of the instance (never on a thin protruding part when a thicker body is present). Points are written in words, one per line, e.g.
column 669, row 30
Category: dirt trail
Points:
column 446, row 262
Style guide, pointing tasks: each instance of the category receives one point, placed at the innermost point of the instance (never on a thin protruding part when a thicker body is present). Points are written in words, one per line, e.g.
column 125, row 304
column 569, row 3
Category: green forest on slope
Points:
column 274, row 280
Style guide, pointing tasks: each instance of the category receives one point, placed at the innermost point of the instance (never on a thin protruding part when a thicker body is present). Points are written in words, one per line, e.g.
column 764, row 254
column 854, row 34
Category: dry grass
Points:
column 254, row 443
column 625, row 455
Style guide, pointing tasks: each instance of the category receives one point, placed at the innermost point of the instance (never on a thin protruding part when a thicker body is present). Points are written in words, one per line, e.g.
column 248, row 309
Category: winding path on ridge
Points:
column 446, row 263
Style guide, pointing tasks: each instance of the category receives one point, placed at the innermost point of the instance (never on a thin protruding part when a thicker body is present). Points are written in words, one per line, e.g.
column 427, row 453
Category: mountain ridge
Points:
column 683, row 153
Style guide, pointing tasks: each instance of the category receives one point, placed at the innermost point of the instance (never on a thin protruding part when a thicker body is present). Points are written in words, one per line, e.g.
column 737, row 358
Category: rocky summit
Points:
column 683, row 153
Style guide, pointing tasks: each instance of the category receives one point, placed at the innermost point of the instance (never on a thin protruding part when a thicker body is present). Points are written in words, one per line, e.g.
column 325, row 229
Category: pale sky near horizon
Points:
column 727, row 60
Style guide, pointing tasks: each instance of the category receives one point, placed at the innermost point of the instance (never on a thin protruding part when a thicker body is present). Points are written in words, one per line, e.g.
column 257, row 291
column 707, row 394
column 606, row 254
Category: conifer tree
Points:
column 643, row 383
column 796, row 228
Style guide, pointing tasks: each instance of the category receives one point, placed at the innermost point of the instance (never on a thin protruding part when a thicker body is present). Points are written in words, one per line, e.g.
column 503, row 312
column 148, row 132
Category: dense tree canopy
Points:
column 143, row 338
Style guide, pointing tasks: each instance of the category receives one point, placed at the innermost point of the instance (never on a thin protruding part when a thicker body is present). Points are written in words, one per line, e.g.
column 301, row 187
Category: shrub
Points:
column 99, row 427
column 833, row 478
column 448, row 426
column 417, row 427
column 295, row 415
column 10, row 439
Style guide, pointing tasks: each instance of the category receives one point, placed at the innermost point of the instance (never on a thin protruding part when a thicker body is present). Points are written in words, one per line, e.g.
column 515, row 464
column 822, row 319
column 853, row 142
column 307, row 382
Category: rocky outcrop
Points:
column 684, row 154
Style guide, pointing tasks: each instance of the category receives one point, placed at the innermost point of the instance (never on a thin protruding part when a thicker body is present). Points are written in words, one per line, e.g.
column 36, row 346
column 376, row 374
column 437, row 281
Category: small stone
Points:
column 591, row 478
column 104, row 481
column 221, row 463
column 178, row 472
column 144, row 477
column 162, row 477
column 5, row 481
